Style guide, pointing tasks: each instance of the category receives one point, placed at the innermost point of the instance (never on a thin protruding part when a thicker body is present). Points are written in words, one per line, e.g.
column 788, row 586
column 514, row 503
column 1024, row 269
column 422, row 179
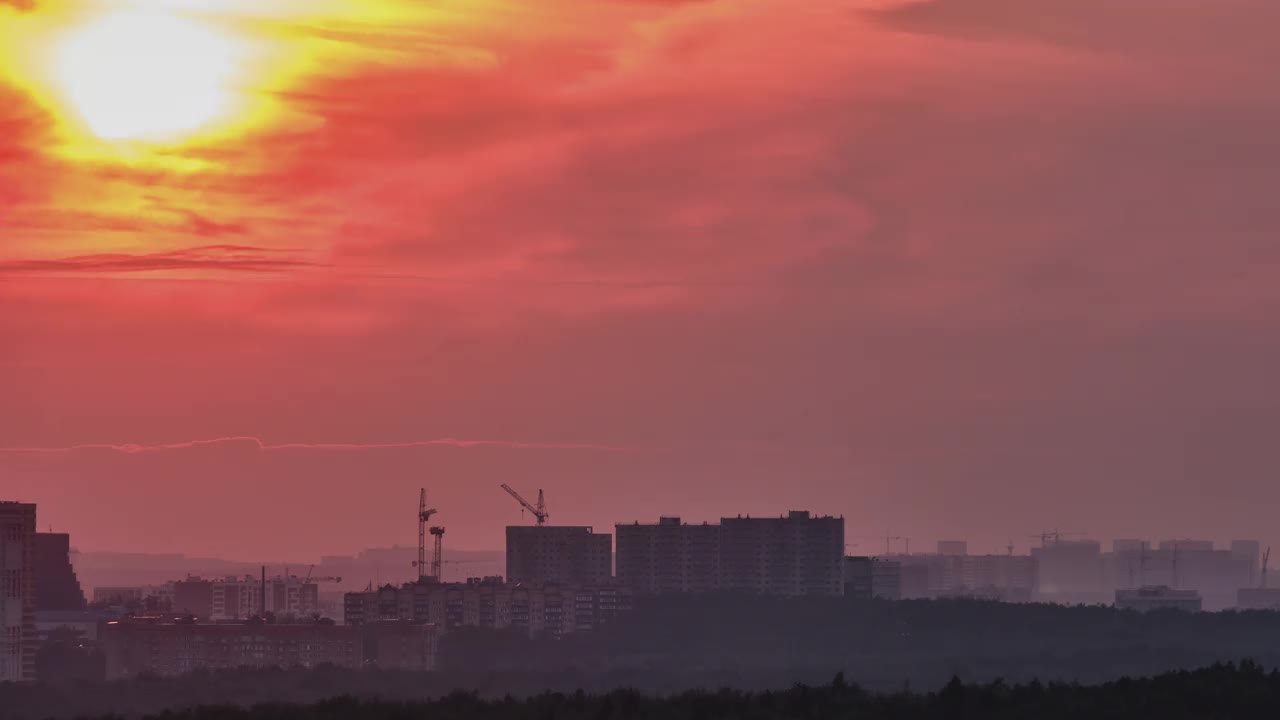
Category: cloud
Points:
column 257, row 444
column 223, row 258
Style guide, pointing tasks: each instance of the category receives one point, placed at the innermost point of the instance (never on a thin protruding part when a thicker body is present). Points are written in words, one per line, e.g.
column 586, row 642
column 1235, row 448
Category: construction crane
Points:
column 424, row 515
column 437, row 557
column 539, row 511
column 1054, row 535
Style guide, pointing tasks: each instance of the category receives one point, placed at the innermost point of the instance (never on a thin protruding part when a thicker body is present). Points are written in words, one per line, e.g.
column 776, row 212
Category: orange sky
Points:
column 965, row 268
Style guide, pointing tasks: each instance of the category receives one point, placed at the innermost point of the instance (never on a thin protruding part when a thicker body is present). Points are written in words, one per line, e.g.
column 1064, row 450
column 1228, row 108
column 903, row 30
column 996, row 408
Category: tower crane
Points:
column 1054, row 535
column 539, row 511
column 424, row 515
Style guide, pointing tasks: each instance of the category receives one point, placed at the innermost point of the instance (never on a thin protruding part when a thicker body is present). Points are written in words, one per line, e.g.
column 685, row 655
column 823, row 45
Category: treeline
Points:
column 1221, row 691
column 670, row 645
column 882, row 644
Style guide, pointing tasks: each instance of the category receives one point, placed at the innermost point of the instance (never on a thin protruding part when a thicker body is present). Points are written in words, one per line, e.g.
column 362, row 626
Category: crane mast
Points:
column 424, row 515
column 539, row 511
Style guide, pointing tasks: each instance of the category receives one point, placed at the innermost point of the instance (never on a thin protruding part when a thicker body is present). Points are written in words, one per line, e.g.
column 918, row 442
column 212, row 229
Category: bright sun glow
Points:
column 137, row 75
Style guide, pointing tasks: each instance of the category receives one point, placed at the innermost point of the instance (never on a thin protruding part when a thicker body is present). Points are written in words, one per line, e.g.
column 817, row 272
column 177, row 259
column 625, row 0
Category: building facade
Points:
column 558, row 554
column 17, row 592
column 795, row 554
column 668, row 557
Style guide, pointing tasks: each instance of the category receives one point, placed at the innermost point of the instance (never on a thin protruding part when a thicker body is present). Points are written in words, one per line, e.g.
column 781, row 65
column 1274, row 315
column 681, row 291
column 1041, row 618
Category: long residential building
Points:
column 165, row 646
column 17, row 592
column 558, row 554
column 538, row 609
column 793, row 554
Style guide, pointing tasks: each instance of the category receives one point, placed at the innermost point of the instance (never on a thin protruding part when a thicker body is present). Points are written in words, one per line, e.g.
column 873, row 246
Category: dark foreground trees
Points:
column 1221, row 691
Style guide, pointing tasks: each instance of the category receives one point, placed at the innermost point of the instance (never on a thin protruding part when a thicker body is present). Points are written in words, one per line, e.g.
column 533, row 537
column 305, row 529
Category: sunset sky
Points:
column 951, row 268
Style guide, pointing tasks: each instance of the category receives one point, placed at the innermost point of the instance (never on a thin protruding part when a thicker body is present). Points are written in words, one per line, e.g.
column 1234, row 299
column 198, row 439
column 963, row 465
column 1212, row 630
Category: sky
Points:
column 948, row 268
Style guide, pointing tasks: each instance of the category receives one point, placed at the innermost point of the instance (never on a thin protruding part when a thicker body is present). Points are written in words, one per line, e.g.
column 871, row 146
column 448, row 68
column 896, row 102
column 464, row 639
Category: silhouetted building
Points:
column 668, row 557
column 795, row 554
column 953, row 547
column 536, row 609
column 17, row 592
column 558, row 554
column 1158, row 597
column 158, row 647
column 193, row 597
column 859, row 577
column 886, row 579
column 56, row 585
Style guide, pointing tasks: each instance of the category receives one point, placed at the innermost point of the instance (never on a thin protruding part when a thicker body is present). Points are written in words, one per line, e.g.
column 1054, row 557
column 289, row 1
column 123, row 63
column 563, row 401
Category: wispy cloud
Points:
column 260, row 445
column 235, row 258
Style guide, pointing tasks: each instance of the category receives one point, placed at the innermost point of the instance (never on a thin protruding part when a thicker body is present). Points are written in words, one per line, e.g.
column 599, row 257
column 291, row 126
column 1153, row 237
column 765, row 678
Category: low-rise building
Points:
column 1158, row 597
column 537, row 609
column 163, row 647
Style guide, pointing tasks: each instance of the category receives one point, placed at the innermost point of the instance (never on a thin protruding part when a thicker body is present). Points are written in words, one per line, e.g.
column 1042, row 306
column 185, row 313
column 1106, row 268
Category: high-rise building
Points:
column 56, row 585
column 17, row 592
column 794, row 554
column 668, row 557
column 558, row 554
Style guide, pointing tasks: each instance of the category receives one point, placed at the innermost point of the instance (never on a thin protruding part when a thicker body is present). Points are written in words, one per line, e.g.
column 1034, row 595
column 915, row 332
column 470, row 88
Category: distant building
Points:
column 155, row 598
column 537, row 609
column 17, row 592
column 795, row 554
column 1248, row 553
column 668, row 557
column 56, row 585
column 158, row 647
column 1158, row 597
column 953, row 547
column 241, row 598
column 399, row 645
column 1187, row 545
column 558, row 554
column 859, row 577
column 1072, row 571
column 886, row 579
column 1257, row 598
column 193, row 597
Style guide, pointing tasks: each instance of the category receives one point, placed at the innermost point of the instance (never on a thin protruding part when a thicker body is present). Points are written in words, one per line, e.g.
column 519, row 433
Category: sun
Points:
column 147, row 75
